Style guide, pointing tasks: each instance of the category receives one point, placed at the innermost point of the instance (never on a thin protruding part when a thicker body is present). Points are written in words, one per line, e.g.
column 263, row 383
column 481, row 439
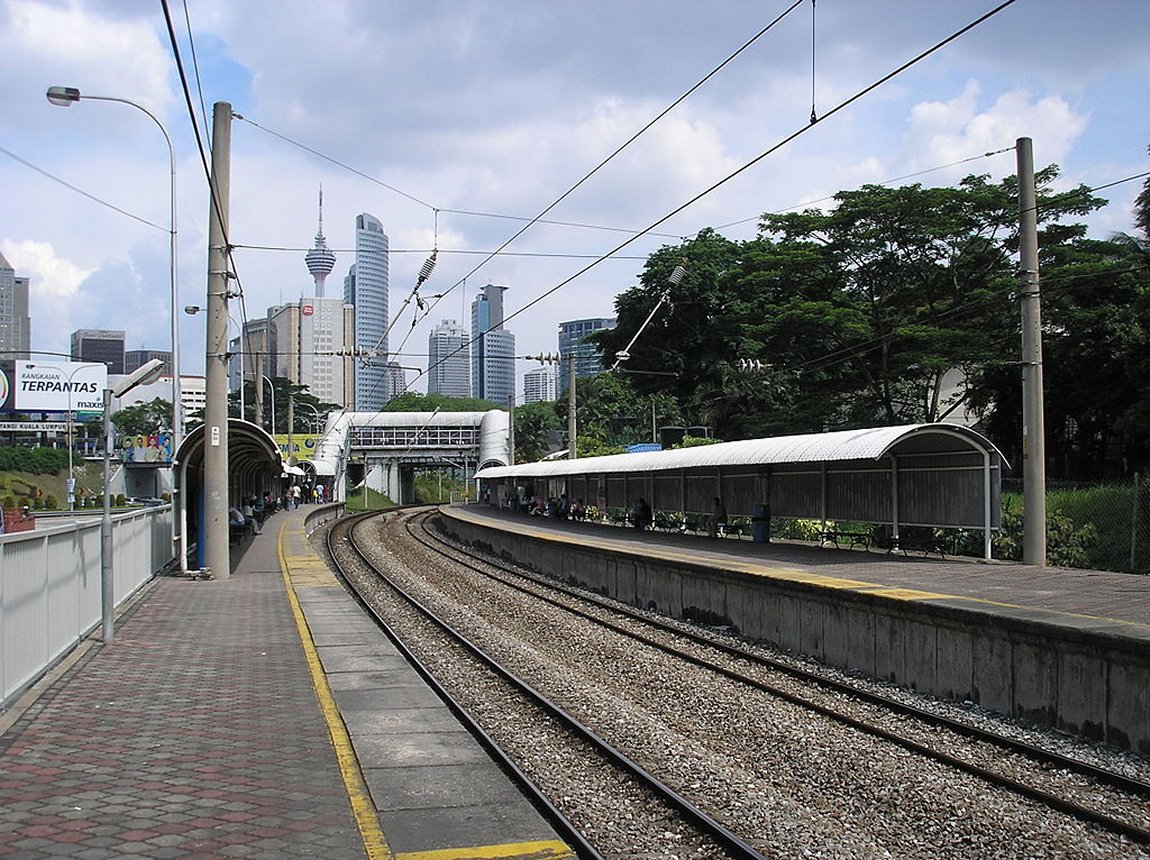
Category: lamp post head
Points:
column 63, row 96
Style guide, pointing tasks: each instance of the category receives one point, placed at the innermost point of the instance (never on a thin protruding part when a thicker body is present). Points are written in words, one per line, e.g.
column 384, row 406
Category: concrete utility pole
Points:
column 217, row 554
column 571, row 407
column 1033, row 422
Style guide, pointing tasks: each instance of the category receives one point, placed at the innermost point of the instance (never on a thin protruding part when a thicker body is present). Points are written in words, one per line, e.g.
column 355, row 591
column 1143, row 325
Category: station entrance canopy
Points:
column 939, row 475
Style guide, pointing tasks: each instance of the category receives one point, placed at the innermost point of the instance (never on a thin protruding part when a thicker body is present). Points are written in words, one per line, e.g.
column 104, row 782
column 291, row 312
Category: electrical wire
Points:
column 79, row 191
column 195, row 65
column 769, row 151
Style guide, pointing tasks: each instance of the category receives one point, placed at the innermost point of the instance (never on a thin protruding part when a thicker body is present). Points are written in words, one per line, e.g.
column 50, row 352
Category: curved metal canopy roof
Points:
column 250, row 449
column 866, row 444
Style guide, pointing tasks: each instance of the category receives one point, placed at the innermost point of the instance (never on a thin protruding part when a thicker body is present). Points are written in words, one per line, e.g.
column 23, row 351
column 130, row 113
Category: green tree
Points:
column 143, row 419
column 917, row 284
column 413, row 401
column 533, row 423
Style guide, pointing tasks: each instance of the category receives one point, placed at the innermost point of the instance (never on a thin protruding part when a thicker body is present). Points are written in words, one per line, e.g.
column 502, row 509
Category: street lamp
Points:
column 145, row 373
column 192, row 310
column 272, row 388
column 318, row 419
column 65, row 97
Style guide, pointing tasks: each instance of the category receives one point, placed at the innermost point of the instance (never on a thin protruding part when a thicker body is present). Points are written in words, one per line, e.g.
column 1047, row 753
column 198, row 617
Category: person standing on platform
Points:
column 718, row 524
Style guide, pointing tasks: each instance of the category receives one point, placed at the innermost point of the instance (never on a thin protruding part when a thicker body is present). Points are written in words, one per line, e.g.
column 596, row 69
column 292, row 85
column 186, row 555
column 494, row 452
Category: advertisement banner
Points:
column 155, row 448
column 7, row 389
column 60, row 386
column 303, row 445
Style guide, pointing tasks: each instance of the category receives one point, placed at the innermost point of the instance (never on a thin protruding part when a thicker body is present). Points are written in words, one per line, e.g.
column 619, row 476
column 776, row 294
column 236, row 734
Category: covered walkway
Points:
column 937, row 475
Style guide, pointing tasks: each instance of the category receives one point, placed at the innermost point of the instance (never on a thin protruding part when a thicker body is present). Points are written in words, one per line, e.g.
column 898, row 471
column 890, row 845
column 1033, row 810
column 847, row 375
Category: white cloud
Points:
column 53, row 277
column 943, row 132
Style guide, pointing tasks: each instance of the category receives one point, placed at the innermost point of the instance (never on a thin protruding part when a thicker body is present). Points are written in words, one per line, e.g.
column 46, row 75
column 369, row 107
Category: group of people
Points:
column 557, row 508
column 250, row 517
column 250, row 514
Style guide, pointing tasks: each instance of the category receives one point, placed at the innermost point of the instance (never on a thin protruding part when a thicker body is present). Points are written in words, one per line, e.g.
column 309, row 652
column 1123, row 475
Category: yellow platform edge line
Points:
column 551, row 849
column 374, row 843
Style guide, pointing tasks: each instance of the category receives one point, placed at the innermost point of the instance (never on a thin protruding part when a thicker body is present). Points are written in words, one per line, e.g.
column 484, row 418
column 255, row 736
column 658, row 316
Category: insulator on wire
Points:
column 677, row 275
column 427, row 269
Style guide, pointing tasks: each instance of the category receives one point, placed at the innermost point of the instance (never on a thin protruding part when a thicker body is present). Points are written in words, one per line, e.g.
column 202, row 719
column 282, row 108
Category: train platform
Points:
column 1049, row 646
column 1118, row 600
column 259, row 716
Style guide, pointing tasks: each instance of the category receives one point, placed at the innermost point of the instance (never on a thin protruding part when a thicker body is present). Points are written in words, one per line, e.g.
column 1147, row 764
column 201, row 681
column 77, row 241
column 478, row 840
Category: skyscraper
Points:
column 539, row 384
column 99, row 345
column 15, row 323
column 492, row 348
column 135, row 358
column 320, row 259
column 365, row 287
column 448, row 360
column 588, row 358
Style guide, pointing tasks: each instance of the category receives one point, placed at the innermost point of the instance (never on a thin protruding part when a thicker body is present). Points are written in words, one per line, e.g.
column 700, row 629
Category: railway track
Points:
column 1056, row 782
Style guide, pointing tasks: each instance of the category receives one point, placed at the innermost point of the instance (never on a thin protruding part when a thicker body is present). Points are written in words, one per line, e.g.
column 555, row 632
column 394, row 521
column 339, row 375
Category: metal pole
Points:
column 1033, row 430
column 571, row 455
column 217, row 553
column 107, row 581
column 258, row 380
column 511, row 430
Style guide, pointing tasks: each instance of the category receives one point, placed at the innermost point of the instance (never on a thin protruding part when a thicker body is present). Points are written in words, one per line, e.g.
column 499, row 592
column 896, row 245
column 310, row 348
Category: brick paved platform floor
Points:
column 196, row 733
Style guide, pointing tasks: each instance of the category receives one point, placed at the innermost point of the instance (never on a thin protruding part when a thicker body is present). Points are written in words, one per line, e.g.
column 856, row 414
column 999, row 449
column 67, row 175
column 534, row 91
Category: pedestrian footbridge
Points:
column 387, row 448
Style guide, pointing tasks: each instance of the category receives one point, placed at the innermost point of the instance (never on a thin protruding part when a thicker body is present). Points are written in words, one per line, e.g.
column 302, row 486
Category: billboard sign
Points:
column 7, row 389
column 59, row 386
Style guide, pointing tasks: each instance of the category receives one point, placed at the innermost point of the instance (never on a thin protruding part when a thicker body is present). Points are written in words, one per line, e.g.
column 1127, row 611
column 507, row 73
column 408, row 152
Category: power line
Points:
column 448, row 251
column 836, row 109
column 79, row 191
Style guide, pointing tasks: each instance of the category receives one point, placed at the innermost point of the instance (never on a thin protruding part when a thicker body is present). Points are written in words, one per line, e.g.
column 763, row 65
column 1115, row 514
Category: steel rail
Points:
column 565, row 829
column 1133, row 786
column 701, row 820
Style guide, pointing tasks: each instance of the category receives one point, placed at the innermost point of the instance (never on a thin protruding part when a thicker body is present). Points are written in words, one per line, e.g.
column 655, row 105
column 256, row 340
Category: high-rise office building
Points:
column 492, row 348
column 327, row 332
column 15, row 322
column 308, row 343
column 320, row 259
column 99, row 345
column 539, row 384
column 365, row 288
column 588, row 358
column 449, row 360
column 396, row 380
column 135, row 358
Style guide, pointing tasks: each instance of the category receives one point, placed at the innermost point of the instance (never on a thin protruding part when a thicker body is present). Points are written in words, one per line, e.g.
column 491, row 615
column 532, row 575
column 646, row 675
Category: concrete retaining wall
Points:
column 1083, row 675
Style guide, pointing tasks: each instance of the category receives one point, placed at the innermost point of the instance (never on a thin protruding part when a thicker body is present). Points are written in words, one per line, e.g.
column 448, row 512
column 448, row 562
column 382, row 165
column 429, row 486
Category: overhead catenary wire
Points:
column 605, row 161
column 769, row 151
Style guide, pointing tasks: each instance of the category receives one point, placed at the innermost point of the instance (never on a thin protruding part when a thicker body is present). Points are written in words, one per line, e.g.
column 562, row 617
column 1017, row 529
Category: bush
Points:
column 50, row 503
column 120, row 501
column 36, row 461
column 1067, row 544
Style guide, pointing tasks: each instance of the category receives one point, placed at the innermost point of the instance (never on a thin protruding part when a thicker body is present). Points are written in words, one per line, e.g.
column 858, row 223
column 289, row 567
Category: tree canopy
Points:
column 896, row 305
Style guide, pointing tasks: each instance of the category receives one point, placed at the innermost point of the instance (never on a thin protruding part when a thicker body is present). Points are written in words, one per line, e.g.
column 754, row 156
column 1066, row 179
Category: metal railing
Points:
column 50, row 586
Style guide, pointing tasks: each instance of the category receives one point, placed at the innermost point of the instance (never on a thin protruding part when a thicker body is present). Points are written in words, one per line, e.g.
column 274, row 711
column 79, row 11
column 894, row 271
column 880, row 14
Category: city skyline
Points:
column 485, row 145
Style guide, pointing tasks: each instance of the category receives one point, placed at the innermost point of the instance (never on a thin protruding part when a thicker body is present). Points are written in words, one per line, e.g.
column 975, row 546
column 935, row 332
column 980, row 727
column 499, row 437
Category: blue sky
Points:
column 497, row 108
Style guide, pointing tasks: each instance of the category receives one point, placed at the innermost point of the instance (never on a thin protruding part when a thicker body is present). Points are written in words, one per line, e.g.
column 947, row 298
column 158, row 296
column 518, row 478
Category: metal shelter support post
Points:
column 894, row 514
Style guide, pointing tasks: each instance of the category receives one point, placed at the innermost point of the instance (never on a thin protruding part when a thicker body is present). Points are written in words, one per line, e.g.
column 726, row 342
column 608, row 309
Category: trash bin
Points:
column 761, row 524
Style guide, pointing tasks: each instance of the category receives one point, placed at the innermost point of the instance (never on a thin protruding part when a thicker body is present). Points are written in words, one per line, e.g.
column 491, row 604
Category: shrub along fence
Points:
column 1092, row 526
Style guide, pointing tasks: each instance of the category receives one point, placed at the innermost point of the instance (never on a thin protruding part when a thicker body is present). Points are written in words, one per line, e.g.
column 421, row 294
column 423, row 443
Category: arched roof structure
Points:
column 942, row 475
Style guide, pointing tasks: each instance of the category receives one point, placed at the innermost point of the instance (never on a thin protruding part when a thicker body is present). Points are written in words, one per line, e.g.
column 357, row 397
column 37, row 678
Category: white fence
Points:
column 50, row 586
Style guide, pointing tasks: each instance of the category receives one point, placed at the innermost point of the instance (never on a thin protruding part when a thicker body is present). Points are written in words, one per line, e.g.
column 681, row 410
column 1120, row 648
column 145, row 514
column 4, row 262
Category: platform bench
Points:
column 849, row 539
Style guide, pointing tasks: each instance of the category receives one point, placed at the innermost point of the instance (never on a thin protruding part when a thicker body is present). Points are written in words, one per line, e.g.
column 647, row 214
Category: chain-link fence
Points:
column 1097, row 526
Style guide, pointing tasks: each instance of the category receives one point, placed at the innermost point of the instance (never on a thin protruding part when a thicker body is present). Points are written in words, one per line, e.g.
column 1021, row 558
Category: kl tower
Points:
column 320, row 259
